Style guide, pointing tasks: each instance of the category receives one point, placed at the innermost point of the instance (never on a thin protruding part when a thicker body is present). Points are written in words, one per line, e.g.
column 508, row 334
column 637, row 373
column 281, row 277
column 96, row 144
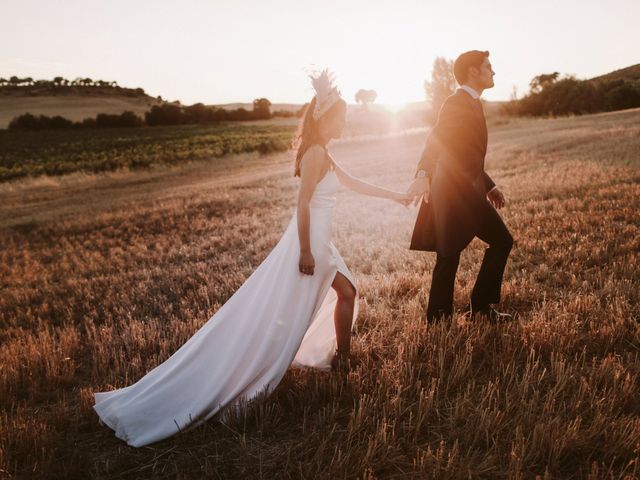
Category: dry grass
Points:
column 104, row 277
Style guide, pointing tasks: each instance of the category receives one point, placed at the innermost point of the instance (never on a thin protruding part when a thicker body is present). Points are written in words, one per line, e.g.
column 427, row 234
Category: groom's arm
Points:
column 488, row 182
column 429, row 156
column 446, row 129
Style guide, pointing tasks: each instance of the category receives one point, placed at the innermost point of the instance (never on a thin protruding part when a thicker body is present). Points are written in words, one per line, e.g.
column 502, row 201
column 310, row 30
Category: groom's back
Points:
column 461, row 133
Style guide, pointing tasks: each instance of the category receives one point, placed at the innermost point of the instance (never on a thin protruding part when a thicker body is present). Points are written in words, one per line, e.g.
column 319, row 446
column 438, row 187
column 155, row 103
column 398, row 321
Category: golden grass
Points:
column 104, row 277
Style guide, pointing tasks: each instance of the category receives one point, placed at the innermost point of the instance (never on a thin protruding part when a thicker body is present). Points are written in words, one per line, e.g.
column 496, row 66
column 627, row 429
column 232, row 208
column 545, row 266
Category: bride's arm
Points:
column 311, row 166
column 365, row 188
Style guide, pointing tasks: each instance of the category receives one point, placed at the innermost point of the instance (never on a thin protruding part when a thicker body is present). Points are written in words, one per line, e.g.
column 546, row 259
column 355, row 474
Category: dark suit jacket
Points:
column 454, row 159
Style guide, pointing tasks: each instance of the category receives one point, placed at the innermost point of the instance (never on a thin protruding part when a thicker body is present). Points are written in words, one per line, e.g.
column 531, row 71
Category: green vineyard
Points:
column 57, row 152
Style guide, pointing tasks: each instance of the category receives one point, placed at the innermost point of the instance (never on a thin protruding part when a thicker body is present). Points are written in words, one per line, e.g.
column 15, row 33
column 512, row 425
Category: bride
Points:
column 297, row 308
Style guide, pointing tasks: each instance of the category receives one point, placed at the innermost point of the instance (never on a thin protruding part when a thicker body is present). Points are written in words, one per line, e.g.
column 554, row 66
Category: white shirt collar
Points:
column 470, row 91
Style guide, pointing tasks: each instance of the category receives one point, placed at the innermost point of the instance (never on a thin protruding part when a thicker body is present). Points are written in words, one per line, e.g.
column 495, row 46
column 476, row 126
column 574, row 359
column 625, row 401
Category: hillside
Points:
column 631, row 73
column 73, row 99
column 73, row 107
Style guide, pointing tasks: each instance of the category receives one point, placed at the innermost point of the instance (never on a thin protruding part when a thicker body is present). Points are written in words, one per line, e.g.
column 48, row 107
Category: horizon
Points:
column 164, row 48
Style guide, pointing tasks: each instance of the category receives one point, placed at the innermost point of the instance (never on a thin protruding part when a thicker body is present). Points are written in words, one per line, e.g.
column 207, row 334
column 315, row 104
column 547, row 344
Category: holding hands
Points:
column 418, row 189
column 401, row 198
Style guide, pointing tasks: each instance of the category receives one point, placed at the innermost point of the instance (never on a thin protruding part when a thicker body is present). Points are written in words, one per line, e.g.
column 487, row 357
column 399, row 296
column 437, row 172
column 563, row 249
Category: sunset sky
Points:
column 220, row 51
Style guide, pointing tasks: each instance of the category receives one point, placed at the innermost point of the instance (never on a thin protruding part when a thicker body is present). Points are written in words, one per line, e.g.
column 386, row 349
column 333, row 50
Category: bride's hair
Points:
column 308, row 133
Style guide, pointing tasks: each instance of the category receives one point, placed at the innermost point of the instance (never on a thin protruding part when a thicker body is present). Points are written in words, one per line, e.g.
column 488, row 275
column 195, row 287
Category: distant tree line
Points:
column 553, row 94
column 102, row 120
column 29, row 86
column 164, row 114
column 56, row 82
column 176, row 114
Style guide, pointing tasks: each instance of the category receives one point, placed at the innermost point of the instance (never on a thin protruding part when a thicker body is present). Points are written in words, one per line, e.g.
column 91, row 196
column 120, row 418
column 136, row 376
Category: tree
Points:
column 540, row 82
column 366, row 97
column 442, row 83
column 620, row 94
column 25, row 121
column 240, row 115
column 125, row 119
column 57, row 121
column 552, row 94
column 31, row 122
column 261, row 109
column 196, row 113
column 57, row 81
column 165, row 114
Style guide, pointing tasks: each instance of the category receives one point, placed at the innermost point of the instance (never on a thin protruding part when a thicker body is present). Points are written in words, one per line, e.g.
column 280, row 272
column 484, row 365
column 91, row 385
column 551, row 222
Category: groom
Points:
column 459, row 196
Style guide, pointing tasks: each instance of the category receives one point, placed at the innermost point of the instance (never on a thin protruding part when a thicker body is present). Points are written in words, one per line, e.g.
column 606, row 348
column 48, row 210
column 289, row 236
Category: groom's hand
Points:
column 496, row 198
column 418, row 189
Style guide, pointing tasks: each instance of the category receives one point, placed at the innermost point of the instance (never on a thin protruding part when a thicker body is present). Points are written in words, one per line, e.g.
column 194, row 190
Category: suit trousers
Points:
column 486, row 290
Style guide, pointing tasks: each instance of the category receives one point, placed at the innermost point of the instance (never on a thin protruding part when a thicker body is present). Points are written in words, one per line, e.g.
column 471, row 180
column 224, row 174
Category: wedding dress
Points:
column 277, row 318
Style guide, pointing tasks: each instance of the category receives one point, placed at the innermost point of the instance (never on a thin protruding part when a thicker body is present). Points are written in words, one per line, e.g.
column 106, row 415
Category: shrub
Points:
column 125, row 119
column 165, row 114
column 551, row 95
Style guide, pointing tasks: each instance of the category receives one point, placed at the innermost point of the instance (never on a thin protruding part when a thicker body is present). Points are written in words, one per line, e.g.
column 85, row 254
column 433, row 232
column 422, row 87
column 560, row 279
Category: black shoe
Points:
column 491, row 314
column 439, row 317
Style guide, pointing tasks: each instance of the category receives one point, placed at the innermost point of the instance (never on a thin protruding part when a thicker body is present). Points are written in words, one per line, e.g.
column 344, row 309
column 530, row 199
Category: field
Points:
column 105, row 275
column 91, row 150
column 58, row 152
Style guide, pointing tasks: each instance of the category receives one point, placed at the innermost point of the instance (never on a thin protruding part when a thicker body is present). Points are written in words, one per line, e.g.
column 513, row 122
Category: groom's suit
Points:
column 457, row 209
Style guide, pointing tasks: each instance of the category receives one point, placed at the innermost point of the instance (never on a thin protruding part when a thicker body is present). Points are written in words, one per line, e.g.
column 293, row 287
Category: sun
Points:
column 395, row 90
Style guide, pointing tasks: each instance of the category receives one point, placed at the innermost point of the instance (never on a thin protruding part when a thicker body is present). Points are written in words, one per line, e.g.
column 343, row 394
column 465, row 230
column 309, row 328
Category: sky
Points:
column 224, row 51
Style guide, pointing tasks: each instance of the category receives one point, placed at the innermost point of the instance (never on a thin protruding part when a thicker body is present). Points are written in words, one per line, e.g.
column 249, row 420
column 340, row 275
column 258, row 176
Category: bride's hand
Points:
column 307, row 263
column 402, row 198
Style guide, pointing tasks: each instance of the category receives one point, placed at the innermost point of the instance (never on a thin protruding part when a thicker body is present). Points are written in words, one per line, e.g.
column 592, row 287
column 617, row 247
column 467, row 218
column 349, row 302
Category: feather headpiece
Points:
column 326, row 93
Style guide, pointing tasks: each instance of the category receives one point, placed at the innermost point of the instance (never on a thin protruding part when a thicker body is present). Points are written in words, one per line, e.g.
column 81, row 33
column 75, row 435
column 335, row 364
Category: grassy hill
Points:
column 629, row 73
column 75, row 100
column 73, row 107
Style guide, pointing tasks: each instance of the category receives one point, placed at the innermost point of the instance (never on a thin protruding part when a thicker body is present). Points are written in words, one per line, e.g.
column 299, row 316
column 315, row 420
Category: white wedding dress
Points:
column 277, row 318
